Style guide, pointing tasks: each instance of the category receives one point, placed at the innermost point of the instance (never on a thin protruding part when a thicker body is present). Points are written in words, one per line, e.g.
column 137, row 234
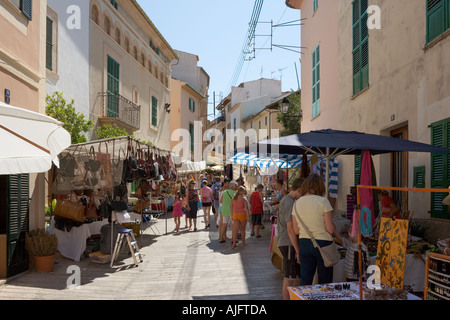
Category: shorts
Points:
column 192, row 214
column 291, row 267
column 226, row 219
column 256, row 219
column 238, row 216
column 206, row 204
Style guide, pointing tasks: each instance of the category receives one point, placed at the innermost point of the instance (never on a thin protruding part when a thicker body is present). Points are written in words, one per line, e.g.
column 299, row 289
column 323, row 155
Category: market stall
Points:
column 347, row 291
column 117, row 180
column 332, row 143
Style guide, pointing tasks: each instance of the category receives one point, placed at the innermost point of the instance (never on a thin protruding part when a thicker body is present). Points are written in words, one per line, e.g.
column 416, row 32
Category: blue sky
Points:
column 216, row 31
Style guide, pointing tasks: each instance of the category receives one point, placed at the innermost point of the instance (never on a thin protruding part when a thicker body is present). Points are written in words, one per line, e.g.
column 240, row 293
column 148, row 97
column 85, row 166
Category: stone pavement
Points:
column 188, row 266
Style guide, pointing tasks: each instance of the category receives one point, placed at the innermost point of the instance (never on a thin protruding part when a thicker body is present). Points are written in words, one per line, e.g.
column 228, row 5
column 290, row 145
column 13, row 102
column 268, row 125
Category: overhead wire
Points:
column 251, row 32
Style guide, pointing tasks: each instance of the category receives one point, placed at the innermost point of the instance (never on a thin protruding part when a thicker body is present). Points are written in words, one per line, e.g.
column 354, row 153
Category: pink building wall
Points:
column 320, row 27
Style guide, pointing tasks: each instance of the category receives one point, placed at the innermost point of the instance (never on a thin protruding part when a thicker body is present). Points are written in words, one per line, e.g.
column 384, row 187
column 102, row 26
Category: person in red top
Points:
column 388, row 207
column 256, row 209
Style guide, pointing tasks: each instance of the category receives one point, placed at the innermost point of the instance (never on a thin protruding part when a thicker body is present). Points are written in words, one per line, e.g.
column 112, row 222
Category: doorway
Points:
column 399, row 171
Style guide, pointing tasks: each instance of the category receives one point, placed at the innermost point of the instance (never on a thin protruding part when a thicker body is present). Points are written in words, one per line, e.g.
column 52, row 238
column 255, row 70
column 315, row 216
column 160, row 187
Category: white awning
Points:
column 29, row 141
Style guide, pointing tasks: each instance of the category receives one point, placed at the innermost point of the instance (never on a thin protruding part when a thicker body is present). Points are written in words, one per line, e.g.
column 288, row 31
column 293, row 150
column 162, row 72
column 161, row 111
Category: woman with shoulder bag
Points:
column 312, row 219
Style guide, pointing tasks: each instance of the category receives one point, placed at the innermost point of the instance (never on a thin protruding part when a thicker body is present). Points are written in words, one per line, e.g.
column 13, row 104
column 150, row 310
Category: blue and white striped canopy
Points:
column 282, row 161
column 288, row 161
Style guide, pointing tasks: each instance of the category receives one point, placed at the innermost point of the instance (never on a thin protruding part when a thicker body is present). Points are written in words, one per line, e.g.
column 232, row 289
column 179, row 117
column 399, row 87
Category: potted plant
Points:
column 42, row 247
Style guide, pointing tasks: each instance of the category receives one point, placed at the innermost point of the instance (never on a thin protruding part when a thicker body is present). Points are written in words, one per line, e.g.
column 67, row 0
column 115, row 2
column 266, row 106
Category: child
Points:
column 351, row 263
column 256, row 205
column 239, row 211
column 207, row 198
column 177, row 211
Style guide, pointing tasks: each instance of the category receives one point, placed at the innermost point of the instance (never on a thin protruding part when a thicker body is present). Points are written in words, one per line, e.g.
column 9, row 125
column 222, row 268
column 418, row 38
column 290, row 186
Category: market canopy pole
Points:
column 358, row 196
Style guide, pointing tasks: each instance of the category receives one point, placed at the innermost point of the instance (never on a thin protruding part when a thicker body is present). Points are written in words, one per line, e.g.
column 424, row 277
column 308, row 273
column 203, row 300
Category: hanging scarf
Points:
column 355, row 229
column 365, row 222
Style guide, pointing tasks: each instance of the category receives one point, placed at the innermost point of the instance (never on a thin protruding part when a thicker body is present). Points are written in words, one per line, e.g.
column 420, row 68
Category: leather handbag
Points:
column 104, row 210
column 91, row 210
column 330, row 253
column 119, row 206
column 142, row 204
column 70, row 210
column 68, row 165
column 92, row 164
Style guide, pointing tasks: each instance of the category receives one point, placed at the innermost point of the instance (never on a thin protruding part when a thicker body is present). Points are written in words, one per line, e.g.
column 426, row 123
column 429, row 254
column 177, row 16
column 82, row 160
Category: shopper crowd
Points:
column 302, row 206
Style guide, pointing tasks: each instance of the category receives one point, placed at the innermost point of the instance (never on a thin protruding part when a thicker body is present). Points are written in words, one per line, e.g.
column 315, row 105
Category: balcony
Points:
column 120, row 111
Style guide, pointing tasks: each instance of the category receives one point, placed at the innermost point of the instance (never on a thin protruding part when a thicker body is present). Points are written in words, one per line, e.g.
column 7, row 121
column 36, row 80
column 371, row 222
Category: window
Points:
column 316, row 82
column 95, row 14
column 438, row 18
column 154, row 112
column 360, row 46
column 419, row 177
column 107, row 26
column 191, row 133
column 358, row 162
column 315, row 5
column 114, row 4
column 440, row 168
column 49, row 42
column 118, row 36
column 265, row 121
column 112, row 89
column 192, row 105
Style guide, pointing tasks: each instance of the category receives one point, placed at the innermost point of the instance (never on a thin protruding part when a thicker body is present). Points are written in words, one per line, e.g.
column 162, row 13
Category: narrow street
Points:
column 188, row 266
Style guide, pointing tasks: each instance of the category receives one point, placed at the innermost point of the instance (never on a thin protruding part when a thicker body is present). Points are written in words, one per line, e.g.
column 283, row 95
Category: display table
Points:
column 331, row 292
column 72, row 244
column 414, row 272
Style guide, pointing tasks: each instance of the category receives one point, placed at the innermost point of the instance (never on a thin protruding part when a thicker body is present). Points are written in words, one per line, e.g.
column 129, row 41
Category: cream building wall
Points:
column 181, row 117
column 127, row 35
column 409, row 86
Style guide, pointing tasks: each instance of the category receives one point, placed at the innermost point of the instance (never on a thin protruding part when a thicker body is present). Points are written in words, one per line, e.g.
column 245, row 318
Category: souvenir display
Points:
column 437, row 277
column 94, row 178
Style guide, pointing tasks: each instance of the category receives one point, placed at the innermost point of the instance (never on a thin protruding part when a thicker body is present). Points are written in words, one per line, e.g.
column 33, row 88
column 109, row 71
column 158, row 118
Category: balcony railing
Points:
column 122, row 109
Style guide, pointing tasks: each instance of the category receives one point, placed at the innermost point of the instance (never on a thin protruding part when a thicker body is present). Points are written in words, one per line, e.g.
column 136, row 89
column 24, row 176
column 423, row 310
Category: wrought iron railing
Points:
column 119, row 107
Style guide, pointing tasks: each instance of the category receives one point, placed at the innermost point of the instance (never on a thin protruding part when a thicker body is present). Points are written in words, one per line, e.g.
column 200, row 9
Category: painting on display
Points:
column 391, row 253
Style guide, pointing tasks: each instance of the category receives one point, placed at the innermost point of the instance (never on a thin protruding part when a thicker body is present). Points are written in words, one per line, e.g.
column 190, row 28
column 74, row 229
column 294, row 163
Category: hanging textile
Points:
column 391, row 252
column 367, row 200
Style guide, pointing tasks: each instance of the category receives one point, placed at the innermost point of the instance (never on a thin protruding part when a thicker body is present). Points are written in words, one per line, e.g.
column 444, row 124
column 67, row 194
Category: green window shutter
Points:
column 191, row 133
column 112, row 88
column 193, row 105
column 419, row 177
column 26, row 6
column 154, row 112
column 114, row 3
column 19, row 193
column 440, row 168
column 437, row 18
column 360, row 46
column 49, row 43
column 358, row 162
column 316, row 82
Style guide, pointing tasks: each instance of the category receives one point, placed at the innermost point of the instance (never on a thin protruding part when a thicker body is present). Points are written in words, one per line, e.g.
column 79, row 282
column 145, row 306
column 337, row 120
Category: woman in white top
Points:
column 316, row 213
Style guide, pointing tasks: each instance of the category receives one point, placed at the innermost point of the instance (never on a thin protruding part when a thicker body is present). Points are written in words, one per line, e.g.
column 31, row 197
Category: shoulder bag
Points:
column 330, row 253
